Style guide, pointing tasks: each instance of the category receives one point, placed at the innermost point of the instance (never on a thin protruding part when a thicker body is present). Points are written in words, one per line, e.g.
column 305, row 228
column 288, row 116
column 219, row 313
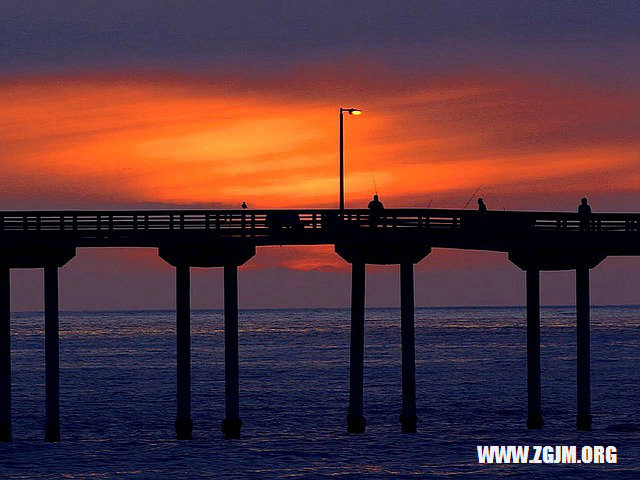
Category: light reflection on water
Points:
column 118, row 387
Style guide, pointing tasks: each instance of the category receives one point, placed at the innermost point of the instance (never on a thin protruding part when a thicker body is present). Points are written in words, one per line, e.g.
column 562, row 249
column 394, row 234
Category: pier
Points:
column 533, row 241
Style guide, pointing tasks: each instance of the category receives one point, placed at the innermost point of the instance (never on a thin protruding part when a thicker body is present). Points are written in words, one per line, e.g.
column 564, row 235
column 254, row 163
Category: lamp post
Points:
column 350, row 111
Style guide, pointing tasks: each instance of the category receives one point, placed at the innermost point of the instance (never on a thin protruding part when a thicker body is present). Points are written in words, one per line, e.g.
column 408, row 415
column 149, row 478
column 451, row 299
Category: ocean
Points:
column 118, row 395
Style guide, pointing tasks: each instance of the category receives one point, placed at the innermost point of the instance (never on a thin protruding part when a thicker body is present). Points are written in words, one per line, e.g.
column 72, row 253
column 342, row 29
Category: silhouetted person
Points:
column 375, row 205
column 244, row 205
column 375, row 208
column 482, row 207
column 584, row 212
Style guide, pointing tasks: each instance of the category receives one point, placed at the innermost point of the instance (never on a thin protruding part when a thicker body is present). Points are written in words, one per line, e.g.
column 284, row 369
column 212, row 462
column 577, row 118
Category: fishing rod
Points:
column 375, row 187
column 471, row 198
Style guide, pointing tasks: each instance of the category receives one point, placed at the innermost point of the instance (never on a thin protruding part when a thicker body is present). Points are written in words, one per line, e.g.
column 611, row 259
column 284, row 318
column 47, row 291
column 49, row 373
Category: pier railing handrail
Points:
column 255, row 220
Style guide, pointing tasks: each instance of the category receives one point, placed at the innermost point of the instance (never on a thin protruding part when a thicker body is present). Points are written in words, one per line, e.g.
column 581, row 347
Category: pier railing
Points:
column 263, row 222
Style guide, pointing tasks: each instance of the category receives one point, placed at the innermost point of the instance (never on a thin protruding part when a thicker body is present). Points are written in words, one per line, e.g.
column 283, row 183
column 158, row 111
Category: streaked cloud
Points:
column 194, row 140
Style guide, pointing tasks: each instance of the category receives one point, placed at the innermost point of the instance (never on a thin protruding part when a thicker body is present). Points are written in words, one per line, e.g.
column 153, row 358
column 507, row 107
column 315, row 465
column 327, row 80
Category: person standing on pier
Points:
column 375, row 208
column 584, row 212
column 482, row 207
column 376, row 205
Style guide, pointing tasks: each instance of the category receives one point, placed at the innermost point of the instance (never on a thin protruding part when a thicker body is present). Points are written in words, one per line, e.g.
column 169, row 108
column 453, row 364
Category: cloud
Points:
column 192, row 34
column 195, row 140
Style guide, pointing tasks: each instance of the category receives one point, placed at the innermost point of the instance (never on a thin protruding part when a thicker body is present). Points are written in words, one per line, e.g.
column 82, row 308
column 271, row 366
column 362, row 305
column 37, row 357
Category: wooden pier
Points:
column 534, row 241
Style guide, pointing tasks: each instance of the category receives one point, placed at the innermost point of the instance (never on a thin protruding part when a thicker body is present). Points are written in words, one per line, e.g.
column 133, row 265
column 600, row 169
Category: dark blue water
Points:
column 118, row 396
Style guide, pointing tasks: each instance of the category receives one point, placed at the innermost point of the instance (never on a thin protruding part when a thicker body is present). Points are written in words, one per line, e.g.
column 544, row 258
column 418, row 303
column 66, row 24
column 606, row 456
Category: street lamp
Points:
column 350, row 111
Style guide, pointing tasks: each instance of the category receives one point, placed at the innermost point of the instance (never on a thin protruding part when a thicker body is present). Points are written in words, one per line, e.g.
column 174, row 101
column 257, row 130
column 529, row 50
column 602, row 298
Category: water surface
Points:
column 118, row 395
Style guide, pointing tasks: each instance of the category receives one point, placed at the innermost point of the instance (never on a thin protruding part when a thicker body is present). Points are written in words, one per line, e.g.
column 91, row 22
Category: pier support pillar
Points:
column 583, row 377
column 534, row 411
column 229, row 255
column 231, row 424
column 379, row 250
column 183, row 423
column 566, row 258
column 408, row 418
column 52, row 355
column 355, row 418
column 5, row 354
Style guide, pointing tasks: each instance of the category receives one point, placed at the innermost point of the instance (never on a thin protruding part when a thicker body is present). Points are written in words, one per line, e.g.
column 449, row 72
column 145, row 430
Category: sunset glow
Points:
column 164, row 105
column 104, row 141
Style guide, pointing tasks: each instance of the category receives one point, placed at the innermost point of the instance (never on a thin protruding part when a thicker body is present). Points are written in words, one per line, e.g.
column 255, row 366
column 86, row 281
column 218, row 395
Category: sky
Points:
column 194, row 104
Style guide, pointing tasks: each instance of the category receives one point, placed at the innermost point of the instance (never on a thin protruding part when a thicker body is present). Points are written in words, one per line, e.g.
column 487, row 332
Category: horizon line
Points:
column 221, row 309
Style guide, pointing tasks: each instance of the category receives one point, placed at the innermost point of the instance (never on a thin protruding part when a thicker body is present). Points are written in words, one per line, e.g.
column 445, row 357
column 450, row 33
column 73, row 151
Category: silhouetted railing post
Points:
column 583, row 377
column 52, row 355
column 231, row 424
column 534, row 414
column 408, row 418
column 355, row 416
column 183, row 422
column 5, row 354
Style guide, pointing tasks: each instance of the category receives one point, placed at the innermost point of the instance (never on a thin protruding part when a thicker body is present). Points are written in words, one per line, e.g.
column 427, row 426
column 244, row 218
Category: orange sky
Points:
column 88, row 140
